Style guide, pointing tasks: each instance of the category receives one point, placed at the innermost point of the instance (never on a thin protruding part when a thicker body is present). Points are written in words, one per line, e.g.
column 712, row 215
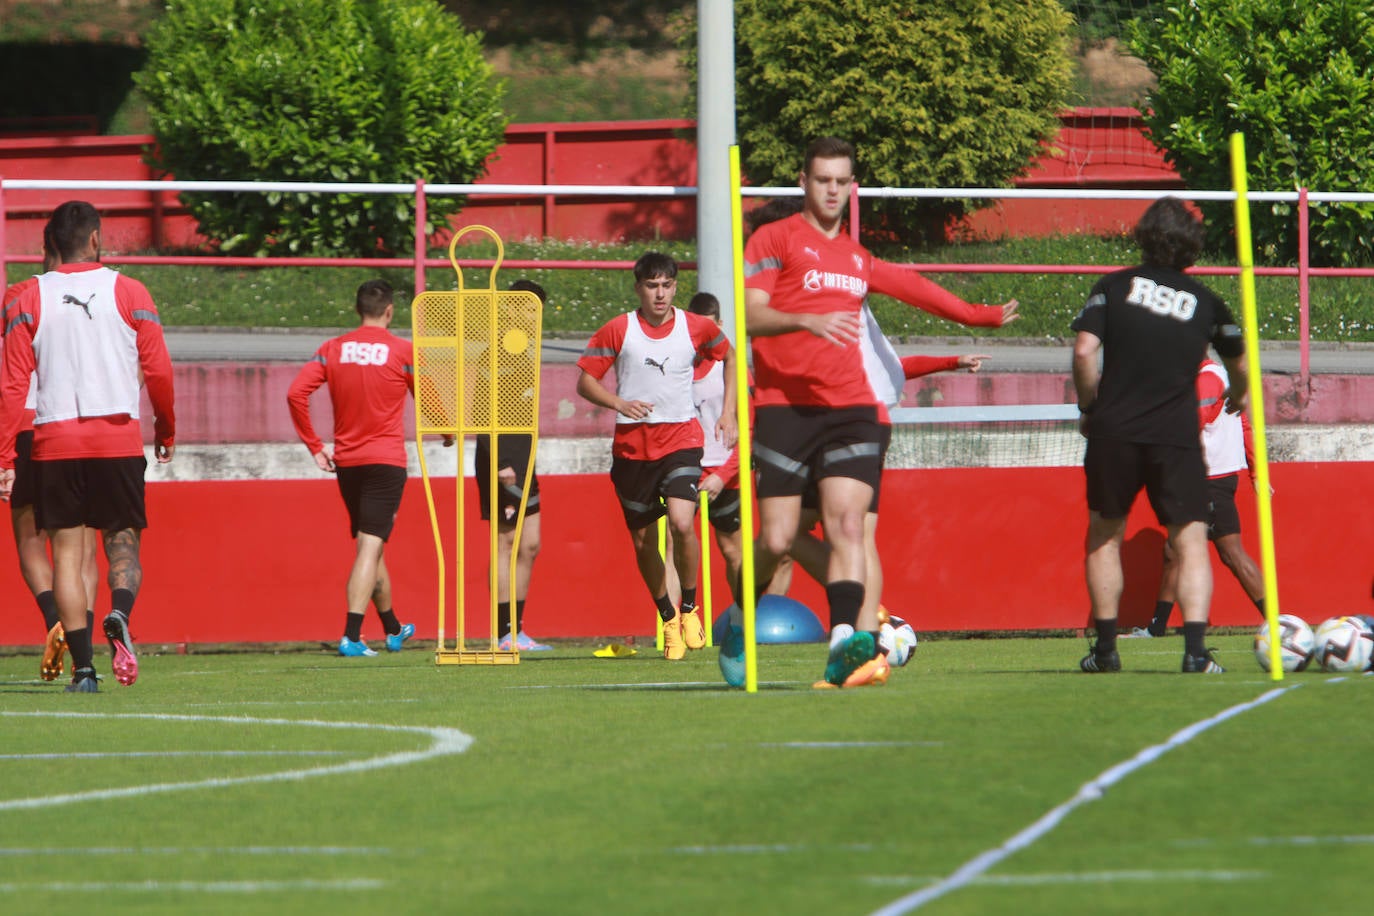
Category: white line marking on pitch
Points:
column 443, row 742
column 1356, row 840
column 764, row 849
column 847, row 744
column 196, row 887
column 235, row 704
column 95, row 754
column 1091, row 877
column 1090, row 791
column 18, row 851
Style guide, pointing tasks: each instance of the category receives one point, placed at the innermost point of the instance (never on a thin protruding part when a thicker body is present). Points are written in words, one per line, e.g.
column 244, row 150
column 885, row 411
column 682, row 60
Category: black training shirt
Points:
column 1155, row 324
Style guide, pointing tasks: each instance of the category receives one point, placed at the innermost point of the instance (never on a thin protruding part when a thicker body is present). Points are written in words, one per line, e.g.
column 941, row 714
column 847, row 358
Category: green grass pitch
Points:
column 304, row 783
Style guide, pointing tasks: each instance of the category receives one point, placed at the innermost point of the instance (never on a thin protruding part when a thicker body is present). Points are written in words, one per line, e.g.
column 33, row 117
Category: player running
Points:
column 657, row 449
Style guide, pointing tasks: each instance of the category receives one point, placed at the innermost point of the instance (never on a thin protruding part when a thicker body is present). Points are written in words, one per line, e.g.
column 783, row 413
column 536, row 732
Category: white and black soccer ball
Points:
column 1296, row 643
column 898, row 638
column 1344, row 644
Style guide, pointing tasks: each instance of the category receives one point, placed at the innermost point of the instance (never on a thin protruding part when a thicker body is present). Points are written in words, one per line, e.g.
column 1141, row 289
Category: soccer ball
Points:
column 1344, row 644
column 899, row 639
column 1295, row 644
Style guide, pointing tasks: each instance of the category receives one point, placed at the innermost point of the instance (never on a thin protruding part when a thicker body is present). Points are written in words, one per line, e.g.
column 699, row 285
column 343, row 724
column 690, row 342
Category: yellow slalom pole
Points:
column 663, row 553
column 705, row 599
column 1250, row 319
column 746, row 449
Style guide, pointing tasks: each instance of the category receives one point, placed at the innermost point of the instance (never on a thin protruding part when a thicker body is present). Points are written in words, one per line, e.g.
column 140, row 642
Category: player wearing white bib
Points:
column 657, row 448
column 1226, row 450
column 88, row 445
column 35, row 566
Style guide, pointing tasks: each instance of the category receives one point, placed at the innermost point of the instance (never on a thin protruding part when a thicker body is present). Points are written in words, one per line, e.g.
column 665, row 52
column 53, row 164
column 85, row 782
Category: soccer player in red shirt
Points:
column 819, row 421
column 657, row 448
column 88, row 461
column 30, row 543
column 369, row 371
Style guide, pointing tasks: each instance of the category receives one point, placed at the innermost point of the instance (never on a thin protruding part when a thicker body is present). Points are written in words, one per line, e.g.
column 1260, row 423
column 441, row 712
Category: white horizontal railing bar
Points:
column 290, row 187
column 989, row 413
column 595, row 190
column 346, row 187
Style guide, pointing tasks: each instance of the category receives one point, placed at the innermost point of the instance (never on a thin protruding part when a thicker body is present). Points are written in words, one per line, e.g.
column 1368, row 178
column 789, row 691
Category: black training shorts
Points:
column 507, row 497
column 23, row 492
column 1225, row 518
column 372, row 495
column 723, row 511
column 1173, row 476
column 811, row 499
column 103, row 493
column 642, row 486
column 796, row 446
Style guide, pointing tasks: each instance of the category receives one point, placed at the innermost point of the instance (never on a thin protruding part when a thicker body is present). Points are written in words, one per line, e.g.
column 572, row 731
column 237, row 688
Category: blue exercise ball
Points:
column 777, row 619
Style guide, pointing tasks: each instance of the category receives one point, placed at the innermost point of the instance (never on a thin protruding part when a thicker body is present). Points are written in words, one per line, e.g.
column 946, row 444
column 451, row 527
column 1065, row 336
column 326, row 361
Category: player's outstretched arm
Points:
column 909, row 286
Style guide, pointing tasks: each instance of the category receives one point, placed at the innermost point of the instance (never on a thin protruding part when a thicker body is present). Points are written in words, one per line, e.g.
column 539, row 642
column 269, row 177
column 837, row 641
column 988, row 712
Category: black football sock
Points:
column 79, row 644
column 353, row 626
column 1259, row 606
column 47, row 603
column 90, row 620
column 1106, row 635
column 1193, row 634
column 503, row 619
column 122, row 602
column 689, row 598
column 1159, row 626
column 390, row 625
column 665, row 607
column 520, row 616
column 845, row 597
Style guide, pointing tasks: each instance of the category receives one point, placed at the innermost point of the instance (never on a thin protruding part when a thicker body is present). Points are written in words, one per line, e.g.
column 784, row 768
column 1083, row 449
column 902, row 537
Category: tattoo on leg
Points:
column 121, row 550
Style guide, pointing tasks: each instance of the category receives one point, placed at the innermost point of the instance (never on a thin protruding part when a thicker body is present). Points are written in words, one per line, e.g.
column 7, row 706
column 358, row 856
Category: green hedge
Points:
column 318, row 90
column 1297, row 80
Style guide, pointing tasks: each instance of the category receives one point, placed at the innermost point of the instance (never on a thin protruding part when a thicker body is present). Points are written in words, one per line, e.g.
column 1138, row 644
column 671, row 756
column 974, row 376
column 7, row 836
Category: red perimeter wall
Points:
column 265, row 561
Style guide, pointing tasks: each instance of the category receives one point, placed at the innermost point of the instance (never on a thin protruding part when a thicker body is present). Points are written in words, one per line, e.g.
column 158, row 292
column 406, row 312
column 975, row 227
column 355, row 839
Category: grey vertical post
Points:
column 715, row 135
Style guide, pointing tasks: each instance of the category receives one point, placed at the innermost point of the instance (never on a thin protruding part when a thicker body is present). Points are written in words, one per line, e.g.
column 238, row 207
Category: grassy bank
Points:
column 1342, row 309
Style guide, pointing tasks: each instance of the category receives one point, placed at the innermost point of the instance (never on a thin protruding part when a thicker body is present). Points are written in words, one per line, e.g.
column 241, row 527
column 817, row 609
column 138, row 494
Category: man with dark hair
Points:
column 657, row 448
column 369, row 372
column 512, row 464
column 30, row 542
column 87, row 460
column 1151, row 326
column 819, row 420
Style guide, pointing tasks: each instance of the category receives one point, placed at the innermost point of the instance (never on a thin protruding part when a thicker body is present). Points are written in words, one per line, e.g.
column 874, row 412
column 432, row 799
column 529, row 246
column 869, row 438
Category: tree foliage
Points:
column 318, row 90
column 955, row 94
column 1297, row 81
